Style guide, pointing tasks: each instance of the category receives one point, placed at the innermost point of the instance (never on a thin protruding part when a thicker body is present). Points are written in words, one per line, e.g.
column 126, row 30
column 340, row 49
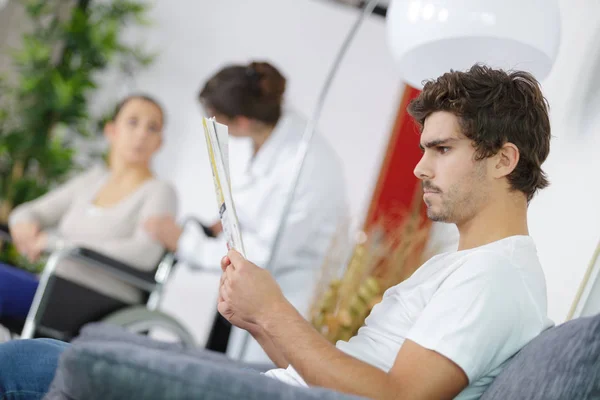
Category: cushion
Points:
column 109, row 363
column 561, row 363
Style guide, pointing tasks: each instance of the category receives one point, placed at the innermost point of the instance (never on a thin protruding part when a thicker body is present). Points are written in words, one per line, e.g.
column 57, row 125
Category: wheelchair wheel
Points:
column 142, row 321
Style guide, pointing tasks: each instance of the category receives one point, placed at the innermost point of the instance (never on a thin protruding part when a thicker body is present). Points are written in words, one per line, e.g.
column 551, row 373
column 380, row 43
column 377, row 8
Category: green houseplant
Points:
column 44, row 104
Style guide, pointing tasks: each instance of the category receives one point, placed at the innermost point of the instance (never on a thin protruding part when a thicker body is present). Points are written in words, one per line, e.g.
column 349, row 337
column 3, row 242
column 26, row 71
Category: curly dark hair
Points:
column 495, row 107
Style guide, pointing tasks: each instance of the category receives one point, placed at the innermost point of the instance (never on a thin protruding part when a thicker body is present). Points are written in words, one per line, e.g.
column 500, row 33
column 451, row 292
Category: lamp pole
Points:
column 306, row 139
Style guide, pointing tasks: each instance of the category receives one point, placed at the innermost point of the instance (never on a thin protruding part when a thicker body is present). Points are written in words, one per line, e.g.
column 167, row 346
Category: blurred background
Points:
column 169, row 48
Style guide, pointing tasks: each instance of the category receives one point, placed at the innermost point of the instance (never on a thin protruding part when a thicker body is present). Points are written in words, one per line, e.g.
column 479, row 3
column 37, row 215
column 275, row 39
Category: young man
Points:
column 449, row 329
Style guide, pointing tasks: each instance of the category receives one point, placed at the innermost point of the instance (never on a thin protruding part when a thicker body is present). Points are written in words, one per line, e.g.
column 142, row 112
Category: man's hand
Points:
column 250, row 299
column 227, row 309
column 248, row 295
column 24, row 236
column 165, row 230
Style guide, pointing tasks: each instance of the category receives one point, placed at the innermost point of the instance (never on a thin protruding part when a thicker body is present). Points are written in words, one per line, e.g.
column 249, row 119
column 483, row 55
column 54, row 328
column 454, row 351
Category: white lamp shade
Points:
column 430, row 37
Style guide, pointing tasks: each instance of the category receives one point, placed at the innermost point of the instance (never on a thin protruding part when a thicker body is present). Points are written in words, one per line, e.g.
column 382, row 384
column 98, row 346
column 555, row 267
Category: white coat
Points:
column 260, row 187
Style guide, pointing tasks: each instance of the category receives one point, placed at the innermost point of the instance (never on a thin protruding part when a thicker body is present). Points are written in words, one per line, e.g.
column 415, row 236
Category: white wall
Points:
column 196, row 38
column 301, row 37
column 565, row 218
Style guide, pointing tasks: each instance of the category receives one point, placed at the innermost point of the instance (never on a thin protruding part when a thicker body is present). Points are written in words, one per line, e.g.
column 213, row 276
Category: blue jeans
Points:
column 27, row 367
column 17, row 288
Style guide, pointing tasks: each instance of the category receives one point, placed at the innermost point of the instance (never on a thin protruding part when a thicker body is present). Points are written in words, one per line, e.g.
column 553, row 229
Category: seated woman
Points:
column 102, row 209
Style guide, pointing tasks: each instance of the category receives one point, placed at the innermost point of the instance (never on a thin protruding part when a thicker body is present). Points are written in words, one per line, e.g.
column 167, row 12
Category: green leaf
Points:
column 37, row 8
column 51, row 93
column 33, row 51
column 63, row 90
column 16, row 142
column 27, row 189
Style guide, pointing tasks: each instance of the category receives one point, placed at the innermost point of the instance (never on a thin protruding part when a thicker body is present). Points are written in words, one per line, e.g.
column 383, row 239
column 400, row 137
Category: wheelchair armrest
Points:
column 144, row 280
column 140, row 279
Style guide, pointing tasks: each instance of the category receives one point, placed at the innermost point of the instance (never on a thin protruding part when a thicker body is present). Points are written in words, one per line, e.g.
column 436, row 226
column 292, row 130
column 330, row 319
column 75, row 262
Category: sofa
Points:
column 108, row 363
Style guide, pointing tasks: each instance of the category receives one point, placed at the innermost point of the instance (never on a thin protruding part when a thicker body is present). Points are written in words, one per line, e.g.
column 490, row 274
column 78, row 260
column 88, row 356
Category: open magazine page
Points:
column 222, row 135
column 218, row 155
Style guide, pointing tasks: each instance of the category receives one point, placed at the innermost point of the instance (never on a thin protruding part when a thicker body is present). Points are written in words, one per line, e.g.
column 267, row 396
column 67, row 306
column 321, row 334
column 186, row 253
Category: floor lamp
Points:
column 587, row 294
column 430, row 37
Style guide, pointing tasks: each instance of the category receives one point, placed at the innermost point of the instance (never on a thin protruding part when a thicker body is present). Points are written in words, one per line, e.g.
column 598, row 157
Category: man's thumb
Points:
column 235, row 257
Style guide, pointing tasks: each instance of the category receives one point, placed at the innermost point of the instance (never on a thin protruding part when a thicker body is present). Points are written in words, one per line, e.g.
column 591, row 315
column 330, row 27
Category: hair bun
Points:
column 270, row 81
column 254, row 90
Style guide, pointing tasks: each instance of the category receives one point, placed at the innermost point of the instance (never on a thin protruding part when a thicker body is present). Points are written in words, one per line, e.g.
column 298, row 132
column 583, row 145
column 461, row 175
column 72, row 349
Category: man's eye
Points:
column 443, row 149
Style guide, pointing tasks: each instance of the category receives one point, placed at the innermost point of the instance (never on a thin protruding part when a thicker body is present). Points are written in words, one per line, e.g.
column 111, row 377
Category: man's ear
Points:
column 506, row 160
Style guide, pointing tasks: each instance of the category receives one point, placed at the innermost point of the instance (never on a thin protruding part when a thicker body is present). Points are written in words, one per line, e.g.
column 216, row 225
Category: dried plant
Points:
column 385, row 255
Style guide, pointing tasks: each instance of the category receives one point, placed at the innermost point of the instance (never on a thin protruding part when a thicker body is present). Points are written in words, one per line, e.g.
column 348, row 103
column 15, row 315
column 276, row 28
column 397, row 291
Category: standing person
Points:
column 249, row 100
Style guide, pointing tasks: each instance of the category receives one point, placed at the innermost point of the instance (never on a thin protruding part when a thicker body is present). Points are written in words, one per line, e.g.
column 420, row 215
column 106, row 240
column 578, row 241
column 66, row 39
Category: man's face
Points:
column 455, row 185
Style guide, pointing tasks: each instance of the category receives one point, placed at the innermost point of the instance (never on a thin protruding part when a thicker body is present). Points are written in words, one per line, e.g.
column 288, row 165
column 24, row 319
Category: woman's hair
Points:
column 144, row 97
column 254, row 91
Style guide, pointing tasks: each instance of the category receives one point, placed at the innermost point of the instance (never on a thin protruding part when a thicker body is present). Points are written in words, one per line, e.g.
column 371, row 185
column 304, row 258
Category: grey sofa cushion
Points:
column 108, row 363
column 561, row 363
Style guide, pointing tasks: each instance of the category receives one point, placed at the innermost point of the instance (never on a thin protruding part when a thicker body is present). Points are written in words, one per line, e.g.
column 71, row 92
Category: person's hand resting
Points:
column 165, row 230
column 249, row 297
column 37, row 247
column 29, row 240
column 24, row 236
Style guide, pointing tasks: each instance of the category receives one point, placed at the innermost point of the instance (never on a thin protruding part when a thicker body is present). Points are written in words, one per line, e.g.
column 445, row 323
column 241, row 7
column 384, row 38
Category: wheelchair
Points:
column 55, row 314
column 60, row 308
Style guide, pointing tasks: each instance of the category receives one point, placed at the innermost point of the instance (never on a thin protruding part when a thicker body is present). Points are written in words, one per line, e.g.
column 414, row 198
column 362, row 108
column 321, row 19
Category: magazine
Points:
column 218, row 154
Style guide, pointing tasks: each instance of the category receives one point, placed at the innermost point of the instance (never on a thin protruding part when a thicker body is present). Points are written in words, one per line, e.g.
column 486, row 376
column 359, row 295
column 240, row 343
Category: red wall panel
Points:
column 397, row 186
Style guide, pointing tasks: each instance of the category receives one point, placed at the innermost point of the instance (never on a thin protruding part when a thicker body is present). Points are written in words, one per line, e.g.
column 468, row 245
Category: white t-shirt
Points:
column 477, row 307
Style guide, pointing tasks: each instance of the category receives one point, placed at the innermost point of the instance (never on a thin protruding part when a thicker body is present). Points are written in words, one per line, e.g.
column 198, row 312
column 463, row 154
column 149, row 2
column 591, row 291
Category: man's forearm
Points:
column 269, row 347
column 318, row 361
